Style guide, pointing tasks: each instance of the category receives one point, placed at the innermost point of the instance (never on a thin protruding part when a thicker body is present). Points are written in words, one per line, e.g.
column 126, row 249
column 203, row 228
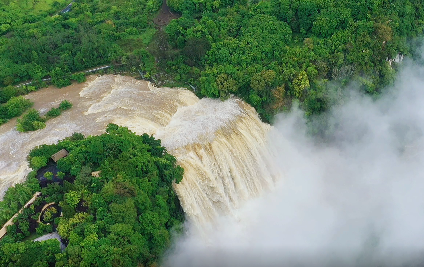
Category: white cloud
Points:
column 356, row 200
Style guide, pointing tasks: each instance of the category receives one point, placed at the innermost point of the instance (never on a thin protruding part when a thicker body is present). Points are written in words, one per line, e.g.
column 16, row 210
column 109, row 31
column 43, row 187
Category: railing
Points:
column 49, row 79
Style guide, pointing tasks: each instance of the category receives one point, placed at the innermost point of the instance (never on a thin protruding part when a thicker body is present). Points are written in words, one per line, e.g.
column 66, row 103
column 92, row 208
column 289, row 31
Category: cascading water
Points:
column 220, row 145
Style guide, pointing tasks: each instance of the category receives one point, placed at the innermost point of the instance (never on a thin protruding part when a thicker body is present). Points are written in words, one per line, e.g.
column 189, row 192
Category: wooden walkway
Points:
column 3, row 230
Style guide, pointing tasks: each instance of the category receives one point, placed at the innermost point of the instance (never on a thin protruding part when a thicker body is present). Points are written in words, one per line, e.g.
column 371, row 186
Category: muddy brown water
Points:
column 220, row 144
column 102, row 99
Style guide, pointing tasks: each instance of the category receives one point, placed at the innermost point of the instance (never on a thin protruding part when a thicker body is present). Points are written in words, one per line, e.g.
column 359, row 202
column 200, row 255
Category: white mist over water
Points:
column 357, row 200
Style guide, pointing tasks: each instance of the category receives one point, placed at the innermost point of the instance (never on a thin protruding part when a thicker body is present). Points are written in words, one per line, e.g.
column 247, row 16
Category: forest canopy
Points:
column 270, row 53
column 273, row 52
column 122, row 215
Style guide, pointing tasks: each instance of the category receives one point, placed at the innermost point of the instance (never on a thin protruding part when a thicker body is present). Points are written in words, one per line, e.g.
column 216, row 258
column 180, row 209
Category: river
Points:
column 220, row 144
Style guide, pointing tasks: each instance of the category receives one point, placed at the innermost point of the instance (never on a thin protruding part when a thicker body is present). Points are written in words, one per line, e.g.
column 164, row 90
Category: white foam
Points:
column 198, row 123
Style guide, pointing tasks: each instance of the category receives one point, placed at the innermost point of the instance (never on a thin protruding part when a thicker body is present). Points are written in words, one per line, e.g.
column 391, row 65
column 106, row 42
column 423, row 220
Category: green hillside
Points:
column 267, row 52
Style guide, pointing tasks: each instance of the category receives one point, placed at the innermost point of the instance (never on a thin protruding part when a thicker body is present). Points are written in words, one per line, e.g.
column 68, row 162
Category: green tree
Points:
column 300, row 84
column 264, row 80
column 72, row 198
column 123, row 217
column 16, row 106
column 49, row 213
column 48, row 175
column 226, row 85
column 38, row 162
column 31, row 121
column 79, row 77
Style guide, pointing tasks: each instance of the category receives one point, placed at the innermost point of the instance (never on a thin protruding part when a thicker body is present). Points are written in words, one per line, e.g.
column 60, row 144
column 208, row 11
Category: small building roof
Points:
column 96, row 173
column 60, row 154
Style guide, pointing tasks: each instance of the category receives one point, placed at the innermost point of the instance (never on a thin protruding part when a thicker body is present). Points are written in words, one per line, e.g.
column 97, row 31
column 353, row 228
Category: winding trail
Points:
column 164, row 16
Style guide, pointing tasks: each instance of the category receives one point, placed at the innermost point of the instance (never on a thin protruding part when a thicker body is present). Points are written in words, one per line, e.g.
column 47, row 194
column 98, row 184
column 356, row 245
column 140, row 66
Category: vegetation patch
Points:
column 14, row 107
column 269, row 53
column 115, row 192
column 32, row 121
column 37, row 46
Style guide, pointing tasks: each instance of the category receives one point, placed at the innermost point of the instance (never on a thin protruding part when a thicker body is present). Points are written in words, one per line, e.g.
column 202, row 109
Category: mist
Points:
column 354, row 200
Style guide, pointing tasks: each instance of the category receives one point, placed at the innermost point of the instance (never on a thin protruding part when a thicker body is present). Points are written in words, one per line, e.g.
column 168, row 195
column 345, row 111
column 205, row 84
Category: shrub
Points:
column 53, row 112
column 65, row 105
column 39, row 125
column 76, row 137
column 28, row 89
column 31, row 121
column 61, row 82
column 16, row 106
column 48, row 175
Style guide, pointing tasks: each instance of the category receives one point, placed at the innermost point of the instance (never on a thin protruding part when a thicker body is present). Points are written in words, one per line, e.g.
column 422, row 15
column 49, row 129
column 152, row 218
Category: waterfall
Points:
column 220, row 144
column 222, row 148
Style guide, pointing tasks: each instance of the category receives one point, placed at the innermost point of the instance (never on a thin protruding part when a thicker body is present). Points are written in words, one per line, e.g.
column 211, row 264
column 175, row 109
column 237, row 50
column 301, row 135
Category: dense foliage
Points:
column 30, row 121
column 14, row 107
column 123, row 217
column 38, row 43
column 271, row 52
column 267, row 52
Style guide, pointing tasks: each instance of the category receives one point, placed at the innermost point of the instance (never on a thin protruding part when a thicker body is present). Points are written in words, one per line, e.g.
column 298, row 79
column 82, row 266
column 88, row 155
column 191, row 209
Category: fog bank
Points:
column 357, row 200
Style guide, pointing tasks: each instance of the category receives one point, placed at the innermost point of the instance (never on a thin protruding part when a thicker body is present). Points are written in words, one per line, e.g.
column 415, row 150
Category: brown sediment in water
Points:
column 220, row 144
column 101, row 100
column 49, row 97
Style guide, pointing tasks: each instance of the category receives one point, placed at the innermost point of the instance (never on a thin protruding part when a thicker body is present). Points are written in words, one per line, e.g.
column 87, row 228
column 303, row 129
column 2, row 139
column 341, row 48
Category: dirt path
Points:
column 165, row 16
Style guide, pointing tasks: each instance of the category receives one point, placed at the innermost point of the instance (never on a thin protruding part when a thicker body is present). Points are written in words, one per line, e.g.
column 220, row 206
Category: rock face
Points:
column 220, row 145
